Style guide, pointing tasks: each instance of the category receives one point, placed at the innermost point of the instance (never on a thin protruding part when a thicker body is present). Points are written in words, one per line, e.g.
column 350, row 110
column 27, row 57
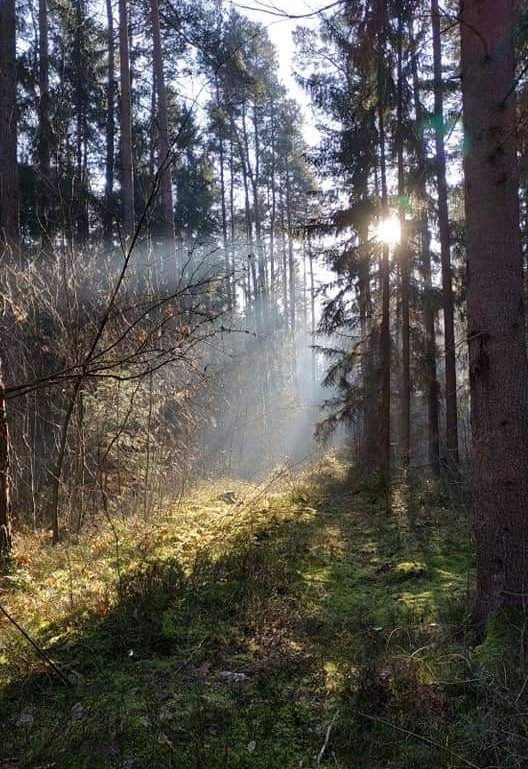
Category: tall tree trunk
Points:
column 370, row 424
column 84, row 215
column 221, row 154
column 284, row 259
column 232, row 232
column 223, row 204
column 405, row 400
column 44, row 134
column 251, row 181
column 496, row 319
column 428, row 309
column 405, row 394
column 9, row 223
column 79, row 212
column 313, row 321
column 305, row 282
column 5, row 496
column 125, row 121
column 291, row 255
column 243, row 151
column 445, row 248
column 165, row 164
column 110, row 127
column 385, row 336
column 255, row 182
column 273, row 212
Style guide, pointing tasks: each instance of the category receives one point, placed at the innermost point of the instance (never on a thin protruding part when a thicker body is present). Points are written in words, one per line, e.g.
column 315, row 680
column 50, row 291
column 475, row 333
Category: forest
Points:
column 263, row 384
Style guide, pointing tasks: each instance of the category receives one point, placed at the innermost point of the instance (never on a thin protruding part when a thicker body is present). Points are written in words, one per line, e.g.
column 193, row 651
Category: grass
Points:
column 302, row 626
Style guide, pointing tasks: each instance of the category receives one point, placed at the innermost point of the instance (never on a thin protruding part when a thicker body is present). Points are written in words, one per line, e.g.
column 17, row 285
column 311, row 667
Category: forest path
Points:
column 251, row 634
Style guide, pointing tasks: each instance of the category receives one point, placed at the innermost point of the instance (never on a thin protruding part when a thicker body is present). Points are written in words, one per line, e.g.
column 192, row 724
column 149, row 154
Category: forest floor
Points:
column 296, row 624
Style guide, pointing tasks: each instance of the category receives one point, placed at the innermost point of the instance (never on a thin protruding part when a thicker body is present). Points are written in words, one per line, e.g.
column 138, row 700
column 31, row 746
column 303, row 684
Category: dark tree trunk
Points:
column 404, row 253
column 9, row 223
column 370, row 422
column 79, row 214
column 430, row 368
column 255, row 182
column 44, row 135
column 125, row 120
column 430, row 350
column 445, row 247
column 110, row 127
column 273, row 212
column 232, row 232
column 165, row 165
column 251, row 180
column 284, row 259
column 223, row 203
column 496, row 320
column 385, row 335
column 313, row 321
column 291, row 255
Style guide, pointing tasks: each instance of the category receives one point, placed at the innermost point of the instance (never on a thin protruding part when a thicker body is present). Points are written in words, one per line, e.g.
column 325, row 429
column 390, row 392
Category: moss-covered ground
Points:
column 294, row 625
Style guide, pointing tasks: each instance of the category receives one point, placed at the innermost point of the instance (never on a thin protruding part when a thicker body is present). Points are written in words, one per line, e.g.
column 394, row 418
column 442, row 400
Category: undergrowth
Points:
column 297, row 624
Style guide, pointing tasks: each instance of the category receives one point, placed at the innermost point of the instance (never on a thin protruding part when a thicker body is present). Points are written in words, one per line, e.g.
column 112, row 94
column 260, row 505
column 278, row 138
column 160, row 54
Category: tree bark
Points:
column 273, row 211
column 385, row 335
column 369, row 429
column 9, row 222
column 125, row 120
column 220, row 126
column 496, row 319
column 44, row 135
column 291, row 256
column 404, row 253
column 79, row 211
column 110, row 127
column 313, row 320
column 255, row 183
column 232, row 230
column 284, row 259
column 445, row 249
column 425, row 267
column 165, row 165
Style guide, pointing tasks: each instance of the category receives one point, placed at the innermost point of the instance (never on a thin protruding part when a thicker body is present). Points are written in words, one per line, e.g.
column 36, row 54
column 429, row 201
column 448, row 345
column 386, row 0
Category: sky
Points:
column 280, row 30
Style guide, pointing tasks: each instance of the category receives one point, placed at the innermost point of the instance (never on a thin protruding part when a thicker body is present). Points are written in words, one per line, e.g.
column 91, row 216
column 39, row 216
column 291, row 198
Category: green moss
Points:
column 409, row 570
column 502, row 653
column 241, row 642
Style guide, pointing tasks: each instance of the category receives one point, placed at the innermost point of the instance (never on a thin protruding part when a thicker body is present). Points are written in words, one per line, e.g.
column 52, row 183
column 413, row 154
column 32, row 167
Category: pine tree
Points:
column 9, row 228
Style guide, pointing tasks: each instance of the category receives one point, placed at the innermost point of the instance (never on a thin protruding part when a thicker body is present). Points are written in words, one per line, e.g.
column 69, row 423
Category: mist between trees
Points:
column 194, row 374
column 160, row 327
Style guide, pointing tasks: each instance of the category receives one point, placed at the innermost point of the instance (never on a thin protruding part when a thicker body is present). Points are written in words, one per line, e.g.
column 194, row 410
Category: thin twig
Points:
column 326, row 740
column 426, row 740
column 40, row 651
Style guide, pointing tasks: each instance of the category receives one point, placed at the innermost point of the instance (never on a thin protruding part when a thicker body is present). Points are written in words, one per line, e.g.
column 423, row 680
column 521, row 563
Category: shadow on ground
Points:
column 329, row 637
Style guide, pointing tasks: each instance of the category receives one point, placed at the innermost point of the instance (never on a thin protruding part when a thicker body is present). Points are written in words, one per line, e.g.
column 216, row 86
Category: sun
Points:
column 388, row 231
